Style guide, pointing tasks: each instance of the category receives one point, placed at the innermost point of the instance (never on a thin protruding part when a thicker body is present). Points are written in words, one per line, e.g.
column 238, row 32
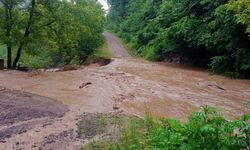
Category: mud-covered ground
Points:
column 19, row 106
column 22, row 111
column 127, row 84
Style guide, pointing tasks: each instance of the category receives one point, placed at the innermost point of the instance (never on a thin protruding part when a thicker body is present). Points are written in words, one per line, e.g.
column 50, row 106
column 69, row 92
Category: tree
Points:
column 7, row 10
column 26, row 34
column 55, row 27
column 242, row 10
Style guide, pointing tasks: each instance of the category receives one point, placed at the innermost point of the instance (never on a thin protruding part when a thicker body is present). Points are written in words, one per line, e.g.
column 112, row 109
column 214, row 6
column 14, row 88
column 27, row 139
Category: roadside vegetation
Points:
column 203, row 130
column 210, row 34
column 45, row 33
column 101, row 55
column 2, row 51
column 101, row 52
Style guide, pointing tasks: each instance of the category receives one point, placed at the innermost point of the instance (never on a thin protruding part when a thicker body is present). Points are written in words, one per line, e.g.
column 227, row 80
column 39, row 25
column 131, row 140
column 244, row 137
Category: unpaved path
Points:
column 115, row 46
column 133, row 85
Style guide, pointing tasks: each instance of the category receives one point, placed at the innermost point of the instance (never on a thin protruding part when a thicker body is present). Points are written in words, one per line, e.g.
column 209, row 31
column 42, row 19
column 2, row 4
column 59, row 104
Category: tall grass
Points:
column 103, row 52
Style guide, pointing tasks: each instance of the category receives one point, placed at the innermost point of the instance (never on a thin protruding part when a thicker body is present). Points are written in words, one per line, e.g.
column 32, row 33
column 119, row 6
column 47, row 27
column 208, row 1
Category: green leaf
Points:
column 174, row 124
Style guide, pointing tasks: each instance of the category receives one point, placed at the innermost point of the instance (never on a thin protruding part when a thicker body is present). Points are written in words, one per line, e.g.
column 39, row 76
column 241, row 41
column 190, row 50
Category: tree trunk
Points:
column 9, row 24
column 26, row 34
column 9, row 55
column 18, row 55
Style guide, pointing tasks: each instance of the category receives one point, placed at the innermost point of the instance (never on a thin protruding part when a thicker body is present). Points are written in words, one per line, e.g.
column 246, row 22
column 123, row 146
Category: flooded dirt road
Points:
column 127, row 84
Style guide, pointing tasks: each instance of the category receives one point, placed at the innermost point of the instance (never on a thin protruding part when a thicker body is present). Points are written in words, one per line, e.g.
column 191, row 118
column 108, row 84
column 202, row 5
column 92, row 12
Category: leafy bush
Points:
column 42, row 60
column 203, row 130
column 218, row 64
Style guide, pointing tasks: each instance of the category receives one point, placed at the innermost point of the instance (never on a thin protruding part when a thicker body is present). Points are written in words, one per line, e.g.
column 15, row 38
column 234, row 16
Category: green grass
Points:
column 103, row 52
column 100, row 53
column 99, row 145
column 33, row 62
column 42, row 60
column 2, row 51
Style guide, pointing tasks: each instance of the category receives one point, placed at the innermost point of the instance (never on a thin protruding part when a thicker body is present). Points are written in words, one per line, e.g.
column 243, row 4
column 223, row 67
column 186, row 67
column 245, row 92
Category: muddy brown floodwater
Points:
column 132, row 85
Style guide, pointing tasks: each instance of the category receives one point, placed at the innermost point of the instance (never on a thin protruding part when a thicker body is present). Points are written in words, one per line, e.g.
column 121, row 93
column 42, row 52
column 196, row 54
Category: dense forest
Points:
column 211, row 34
column 49, row 33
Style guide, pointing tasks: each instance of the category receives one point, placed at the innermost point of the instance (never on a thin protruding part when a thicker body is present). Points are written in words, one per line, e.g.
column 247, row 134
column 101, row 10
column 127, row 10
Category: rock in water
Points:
column 84, row 85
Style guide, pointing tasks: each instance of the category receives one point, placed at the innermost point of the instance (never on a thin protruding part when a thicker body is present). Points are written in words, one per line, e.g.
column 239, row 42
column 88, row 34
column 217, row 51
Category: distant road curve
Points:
column 115, row 46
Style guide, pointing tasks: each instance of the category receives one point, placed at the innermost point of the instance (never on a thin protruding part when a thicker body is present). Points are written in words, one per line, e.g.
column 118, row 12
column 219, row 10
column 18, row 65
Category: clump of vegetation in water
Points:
column 203, row 130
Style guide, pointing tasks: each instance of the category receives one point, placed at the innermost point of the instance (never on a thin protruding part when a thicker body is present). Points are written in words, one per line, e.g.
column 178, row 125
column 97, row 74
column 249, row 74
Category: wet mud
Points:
column 17, row 106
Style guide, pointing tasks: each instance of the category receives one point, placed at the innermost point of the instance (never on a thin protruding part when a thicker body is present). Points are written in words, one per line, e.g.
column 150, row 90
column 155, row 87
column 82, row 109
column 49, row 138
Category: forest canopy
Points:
column 47, row 33
column 206, row 33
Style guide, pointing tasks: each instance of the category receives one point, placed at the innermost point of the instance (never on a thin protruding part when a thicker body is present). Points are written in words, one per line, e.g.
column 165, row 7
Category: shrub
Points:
column 203, row 130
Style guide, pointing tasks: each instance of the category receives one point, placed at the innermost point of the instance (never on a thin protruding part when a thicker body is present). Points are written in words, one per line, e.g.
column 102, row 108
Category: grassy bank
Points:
column 103, row 52
column 100, row 53
column 203, row 130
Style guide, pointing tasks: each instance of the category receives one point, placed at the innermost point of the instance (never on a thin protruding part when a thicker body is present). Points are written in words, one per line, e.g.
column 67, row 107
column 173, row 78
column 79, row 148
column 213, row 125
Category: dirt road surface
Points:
column 128, row 84
column 115, row 46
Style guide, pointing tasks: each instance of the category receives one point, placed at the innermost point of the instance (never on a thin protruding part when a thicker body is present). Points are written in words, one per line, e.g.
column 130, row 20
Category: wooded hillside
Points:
column 211, row 34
